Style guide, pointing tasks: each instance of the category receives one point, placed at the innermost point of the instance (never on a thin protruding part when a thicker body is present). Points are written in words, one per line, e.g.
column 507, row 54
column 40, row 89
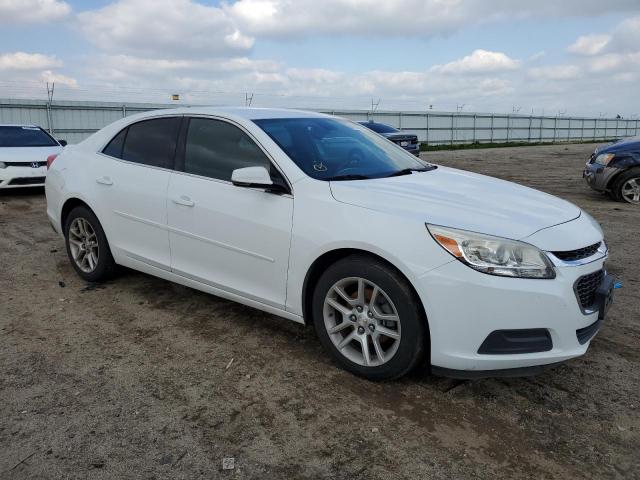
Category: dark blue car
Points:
column 406, row 140
column 615, row 169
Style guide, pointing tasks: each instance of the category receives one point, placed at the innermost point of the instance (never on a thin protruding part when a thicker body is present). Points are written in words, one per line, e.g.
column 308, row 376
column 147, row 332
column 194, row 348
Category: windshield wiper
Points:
column 408, row 171
column 347, row 177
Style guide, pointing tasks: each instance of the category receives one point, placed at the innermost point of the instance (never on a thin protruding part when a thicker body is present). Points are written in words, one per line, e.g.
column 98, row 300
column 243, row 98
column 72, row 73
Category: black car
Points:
column 407, row 141
column 615, row 169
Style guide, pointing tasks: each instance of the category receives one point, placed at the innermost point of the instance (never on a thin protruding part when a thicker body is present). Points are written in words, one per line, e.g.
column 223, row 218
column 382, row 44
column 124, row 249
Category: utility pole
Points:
column 48, row 106
column 374, row 105
column 248, row 99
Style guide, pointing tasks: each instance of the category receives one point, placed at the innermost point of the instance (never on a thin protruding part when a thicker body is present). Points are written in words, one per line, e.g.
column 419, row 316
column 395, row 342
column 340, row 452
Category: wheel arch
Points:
column 68, row 206
column 328, row 258
column 628, row 163
column 613, row 183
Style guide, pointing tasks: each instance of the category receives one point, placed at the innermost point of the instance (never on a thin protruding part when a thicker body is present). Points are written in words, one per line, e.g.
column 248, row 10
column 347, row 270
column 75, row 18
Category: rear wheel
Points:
column 368, row 318
column 627, row 186
column 87, row 246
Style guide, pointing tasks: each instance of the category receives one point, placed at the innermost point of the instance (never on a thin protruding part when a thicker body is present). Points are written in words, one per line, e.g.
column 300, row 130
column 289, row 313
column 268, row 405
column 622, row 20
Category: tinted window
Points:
column 152, row 142
column 114, row 148
column 25, row 137
column 326, row 147
column 379, row 127
column 215, row 149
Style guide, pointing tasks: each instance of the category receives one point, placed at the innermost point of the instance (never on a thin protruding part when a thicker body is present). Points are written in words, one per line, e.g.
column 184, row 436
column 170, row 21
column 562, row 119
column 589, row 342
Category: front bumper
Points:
column 598, row 176
column 465, row 306
column 20, row 177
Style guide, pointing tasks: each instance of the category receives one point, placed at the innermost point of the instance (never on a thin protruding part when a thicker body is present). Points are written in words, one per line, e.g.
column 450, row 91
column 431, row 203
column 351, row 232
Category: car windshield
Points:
column 16, row 136
column 336, row 149
column 379, row 127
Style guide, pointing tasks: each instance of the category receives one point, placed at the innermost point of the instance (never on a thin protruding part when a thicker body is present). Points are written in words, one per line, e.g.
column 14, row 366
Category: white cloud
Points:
column 589, row 44
column 479, row 62
column 58, row 79
column 27, row 61
column 615, row 62
column 556, row 72
column 164, row 28
column 400, row 17
column 626, row 36
column 14, row 12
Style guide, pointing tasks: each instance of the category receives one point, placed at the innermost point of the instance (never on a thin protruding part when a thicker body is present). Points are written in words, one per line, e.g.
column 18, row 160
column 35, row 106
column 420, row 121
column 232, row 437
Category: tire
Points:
column 392, row 357
column 620, row 185
column 97, row 266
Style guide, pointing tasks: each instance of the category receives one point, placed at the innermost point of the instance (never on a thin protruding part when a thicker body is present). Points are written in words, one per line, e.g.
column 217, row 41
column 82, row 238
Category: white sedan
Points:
column 319, row 220
column 24, row 153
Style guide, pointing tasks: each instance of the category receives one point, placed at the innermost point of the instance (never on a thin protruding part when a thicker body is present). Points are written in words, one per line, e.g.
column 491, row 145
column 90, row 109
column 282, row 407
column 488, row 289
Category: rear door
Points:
column 229, row 237
column 132, row 174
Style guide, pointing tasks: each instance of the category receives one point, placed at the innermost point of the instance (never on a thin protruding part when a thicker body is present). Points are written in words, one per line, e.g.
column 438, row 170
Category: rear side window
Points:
column 114, row 148
column 214, row 149
column 17, row 136
column 151, row 142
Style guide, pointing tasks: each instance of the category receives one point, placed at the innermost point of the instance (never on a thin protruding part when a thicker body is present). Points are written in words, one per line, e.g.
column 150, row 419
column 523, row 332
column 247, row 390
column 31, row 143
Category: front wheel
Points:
column 87, row 246
column 627, row 186
column 366, row 315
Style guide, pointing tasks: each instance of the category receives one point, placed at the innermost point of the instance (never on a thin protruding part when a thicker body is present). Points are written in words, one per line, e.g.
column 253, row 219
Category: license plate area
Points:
column 604, row 296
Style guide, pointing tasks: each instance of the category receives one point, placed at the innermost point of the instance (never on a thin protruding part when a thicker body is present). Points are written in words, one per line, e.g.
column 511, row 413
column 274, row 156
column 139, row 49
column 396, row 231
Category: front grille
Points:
column 585, row 334
column 27, row 181
column 586, row 287
column 578, row 254
column 25, row 164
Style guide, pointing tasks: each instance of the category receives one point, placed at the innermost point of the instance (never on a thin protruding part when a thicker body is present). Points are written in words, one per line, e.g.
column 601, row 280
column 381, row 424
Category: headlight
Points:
column 3, row 165
column 494, row 255
column 605, row 158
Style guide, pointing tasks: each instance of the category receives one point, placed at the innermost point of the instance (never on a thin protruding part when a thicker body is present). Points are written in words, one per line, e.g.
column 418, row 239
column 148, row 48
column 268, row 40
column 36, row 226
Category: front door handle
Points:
column 183, row 200
column 104, row 181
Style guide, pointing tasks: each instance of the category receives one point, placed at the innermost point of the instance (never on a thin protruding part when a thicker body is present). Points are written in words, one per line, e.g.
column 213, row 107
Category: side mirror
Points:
column 62, row 142
column 256, row 177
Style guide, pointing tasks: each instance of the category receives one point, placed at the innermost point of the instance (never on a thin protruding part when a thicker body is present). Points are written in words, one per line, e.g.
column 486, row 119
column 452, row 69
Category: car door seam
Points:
column 196, row 237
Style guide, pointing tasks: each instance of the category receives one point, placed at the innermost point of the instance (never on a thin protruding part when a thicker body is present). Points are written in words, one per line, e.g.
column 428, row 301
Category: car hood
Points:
column 460, row 199
column 627, row 144
column 27, row 154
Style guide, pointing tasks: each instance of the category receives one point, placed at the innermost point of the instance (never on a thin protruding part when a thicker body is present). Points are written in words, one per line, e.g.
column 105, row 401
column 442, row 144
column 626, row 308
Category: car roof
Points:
column 18, row 125
column 248, row 113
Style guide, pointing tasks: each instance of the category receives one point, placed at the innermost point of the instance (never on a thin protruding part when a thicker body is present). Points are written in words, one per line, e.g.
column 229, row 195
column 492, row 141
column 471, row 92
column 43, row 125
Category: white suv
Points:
column 25, row 151
column 319, row 220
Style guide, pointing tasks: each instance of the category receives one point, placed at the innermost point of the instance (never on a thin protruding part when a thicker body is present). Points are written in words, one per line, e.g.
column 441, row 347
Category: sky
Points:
column 569, row 57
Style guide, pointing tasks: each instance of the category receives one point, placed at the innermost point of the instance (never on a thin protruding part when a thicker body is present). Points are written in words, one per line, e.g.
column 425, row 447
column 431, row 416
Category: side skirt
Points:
column 218, row 292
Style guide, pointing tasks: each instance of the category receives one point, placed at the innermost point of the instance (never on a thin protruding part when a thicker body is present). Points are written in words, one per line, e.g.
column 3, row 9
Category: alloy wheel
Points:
column 362, row 321
column 631, row 190
column 83, row 243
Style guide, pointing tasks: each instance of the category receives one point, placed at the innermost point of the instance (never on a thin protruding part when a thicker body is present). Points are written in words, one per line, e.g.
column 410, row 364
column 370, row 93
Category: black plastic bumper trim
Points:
column 587, row 333
column 510, row 342
column 501, row 373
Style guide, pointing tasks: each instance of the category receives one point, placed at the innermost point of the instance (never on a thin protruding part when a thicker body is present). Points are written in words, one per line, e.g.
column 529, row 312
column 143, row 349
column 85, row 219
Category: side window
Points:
column 114, row 147
column 152, row 142
column 214, row 149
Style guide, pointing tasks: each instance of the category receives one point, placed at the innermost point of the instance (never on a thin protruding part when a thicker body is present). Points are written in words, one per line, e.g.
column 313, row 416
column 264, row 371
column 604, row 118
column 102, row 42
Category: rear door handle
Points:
column 104, row 181
column 183, row 200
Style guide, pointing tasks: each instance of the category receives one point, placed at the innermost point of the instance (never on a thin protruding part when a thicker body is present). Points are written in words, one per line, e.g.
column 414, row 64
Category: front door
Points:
column 229, row 237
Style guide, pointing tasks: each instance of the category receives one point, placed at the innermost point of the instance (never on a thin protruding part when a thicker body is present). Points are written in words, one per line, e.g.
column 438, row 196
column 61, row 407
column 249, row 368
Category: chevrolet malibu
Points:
column 320, row 220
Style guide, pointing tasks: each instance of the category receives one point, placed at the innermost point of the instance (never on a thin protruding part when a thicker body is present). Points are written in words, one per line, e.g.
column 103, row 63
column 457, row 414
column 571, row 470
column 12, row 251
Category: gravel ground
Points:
column 141, row 378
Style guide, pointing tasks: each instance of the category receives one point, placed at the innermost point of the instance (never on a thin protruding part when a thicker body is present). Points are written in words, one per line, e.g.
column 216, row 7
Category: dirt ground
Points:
column 141, row 378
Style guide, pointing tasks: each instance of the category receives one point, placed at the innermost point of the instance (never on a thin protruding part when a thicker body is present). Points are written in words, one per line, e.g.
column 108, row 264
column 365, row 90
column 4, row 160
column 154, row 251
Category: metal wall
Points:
column 74, row 121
